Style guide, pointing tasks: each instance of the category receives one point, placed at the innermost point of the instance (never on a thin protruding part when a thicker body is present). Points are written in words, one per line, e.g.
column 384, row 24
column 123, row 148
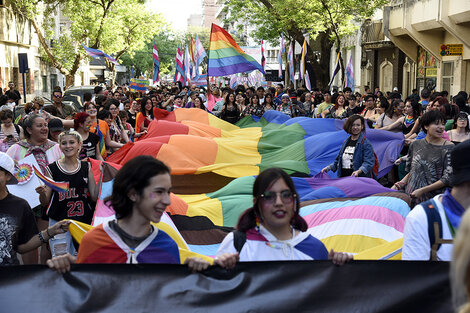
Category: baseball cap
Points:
column 7, row 163
column 55, row 125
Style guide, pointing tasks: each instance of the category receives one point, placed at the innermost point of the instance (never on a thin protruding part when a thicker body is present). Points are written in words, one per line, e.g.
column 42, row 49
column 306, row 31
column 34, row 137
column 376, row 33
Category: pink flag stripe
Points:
column 367, row 212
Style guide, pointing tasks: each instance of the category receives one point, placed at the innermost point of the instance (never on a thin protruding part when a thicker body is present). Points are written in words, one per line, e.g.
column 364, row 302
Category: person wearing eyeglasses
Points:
column 64, row 110
column 273, row 230
column 460, row 130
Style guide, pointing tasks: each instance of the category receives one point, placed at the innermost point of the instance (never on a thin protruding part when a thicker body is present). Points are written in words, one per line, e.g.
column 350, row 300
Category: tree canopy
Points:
column 114, row 26
column 326, row 21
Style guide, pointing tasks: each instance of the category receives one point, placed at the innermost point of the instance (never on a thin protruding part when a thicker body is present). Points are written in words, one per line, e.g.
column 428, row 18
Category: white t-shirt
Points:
column 416, row 245
column 348, row 156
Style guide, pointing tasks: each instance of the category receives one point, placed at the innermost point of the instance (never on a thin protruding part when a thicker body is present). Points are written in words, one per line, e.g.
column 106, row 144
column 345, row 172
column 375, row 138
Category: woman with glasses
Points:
column 460, row 131
column 273, row 230
column 369, row 113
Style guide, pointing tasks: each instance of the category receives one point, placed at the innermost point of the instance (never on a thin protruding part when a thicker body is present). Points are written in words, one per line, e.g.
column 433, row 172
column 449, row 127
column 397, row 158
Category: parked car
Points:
column 19, row 109
column 74, row 96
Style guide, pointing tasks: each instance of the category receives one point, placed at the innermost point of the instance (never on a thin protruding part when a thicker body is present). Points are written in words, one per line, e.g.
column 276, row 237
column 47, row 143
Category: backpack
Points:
column 375, row 168
column 434, row 227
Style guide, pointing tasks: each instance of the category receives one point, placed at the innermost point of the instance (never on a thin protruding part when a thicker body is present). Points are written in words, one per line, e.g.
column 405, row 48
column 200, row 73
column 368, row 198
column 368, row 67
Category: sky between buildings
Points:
column 177, row 12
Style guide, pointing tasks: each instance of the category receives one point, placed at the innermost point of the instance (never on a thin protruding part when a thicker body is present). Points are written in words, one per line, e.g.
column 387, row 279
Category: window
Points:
column 44, row 83
column 53, row 81
column 447, row 76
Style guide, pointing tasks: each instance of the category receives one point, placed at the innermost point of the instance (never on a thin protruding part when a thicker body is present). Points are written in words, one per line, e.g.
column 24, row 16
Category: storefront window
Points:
column 427, row 70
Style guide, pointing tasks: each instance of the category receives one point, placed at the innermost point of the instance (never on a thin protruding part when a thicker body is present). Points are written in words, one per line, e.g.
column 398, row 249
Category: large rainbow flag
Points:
column 205, row 153
column 355, row 215
column 214, row 165
column 226, row 57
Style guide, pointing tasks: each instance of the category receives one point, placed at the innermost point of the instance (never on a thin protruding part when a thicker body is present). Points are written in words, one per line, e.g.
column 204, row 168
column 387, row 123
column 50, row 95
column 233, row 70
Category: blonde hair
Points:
column 70, row 133
column 460, row 267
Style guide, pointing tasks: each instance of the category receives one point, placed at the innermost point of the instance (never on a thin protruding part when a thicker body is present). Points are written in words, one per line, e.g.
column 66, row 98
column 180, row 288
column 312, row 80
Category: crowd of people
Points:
column 432, row 169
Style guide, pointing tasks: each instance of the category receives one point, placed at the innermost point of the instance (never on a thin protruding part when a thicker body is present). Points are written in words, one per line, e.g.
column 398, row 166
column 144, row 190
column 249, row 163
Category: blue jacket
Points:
column 363, row 158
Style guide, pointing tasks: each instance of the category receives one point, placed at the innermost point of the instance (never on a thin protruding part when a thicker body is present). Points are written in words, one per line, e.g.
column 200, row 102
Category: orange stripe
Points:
column 185, row 154
column 139, row 119
column 177, row 206
column 219, row 33
column 202, row 130
column 193, row 114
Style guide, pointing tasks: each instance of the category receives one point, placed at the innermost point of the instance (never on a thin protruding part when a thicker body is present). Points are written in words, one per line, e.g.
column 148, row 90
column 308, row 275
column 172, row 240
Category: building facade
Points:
column 435, row 34
column 17, row 35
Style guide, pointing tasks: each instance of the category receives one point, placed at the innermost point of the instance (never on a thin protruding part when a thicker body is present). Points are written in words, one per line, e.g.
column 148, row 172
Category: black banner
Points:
column 319, row 286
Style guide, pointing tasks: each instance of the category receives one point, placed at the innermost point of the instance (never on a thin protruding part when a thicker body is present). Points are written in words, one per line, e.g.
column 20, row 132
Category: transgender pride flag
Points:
column 350, row 74
column 156, row 64
column 282, row 50
column 291, row 63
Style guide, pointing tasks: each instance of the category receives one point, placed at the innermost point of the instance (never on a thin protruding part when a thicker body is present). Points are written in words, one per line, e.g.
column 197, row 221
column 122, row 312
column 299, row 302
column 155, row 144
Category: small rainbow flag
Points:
column 226, row 57
column 56, row 186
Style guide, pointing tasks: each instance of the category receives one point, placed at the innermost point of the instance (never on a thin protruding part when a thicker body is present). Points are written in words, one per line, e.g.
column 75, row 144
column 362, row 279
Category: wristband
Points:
column 41, row 237
column 47, row 231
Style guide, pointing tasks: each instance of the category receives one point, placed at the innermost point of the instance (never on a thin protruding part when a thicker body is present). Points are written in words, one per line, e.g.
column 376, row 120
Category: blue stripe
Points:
column 204, row 249
column 234, row 60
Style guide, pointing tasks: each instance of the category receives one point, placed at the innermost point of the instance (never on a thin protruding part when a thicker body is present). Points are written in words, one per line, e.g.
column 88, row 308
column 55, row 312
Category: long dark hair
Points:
column 391, row 109
column 265, row 180
column 415, row 105
column 462, row 115
column 143, row 103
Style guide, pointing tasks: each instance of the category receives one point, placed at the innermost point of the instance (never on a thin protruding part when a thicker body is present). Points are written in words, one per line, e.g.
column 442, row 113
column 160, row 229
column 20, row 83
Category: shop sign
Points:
column 431, row 72
column 452, row 49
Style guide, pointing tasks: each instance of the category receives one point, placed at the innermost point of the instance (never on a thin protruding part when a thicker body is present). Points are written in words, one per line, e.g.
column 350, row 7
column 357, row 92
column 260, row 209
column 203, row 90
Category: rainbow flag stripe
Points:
column 56, row 186
column 226, row 57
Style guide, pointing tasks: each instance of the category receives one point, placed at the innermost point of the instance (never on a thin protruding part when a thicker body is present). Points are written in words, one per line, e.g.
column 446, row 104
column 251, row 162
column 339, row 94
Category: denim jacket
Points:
column 363, row 158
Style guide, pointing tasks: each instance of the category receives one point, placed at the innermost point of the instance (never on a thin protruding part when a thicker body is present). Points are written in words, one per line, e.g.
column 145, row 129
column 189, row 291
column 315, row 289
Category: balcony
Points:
column 373, row 36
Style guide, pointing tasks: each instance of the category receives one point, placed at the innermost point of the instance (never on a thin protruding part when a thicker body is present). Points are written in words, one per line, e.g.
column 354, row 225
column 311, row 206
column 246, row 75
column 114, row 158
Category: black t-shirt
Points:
column 89, row 147
column 132, row 118
column 347, row 164
column 129, row 240
column 357, row 110
column 17, row 227
column 74, row 203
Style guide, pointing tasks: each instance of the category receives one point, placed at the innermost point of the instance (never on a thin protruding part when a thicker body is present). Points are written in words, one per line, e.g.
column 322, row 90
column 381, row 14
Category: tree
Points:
column 326, row 21
column 142, row 60
column 114, row 26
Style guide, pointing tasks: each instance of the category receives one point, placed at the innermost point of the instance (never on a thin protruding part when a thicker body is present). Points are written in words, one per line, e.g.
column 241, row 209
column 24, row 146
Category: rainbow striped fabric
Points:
column 205, row 153
column 356, row 215
column 214, row 164
column 226, row 57
column 56, row 186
